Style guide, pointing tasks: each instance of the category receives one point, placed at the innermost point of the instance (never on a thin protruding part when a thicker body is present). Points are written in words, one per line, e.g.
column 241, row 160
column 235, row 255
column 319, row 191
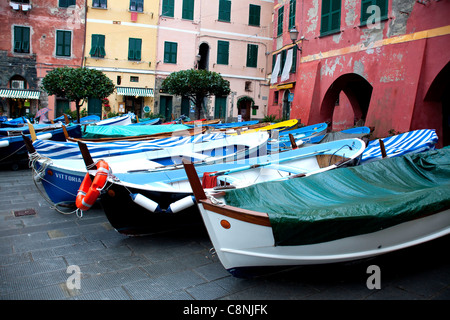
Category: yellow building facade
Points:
column 120, row 41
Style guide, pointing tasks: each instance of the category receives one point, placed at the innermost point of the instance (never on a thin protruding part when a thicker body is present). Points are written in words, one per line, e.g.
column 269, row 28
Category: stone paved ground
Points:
column 36, row 250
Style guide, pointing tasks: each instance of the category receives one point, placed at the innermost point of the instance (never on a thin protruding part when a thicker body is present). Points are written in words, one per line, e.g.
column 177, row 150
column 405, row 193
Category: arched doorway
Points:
column 286, row 105
column 203, row 52
column 437, row 100
column 244, row 105
column 346, row 102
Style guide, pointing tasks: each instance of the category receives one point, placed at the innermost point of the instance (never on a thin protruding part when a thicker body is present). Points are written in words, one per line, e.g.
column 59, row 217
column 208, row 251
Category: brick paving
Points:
column 36, row 251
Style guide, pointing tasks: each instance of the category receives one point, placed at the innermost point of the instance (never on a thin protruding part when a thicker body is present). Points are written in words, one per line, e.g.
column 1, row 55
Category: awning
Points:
column 20, row 94
column 137, row 92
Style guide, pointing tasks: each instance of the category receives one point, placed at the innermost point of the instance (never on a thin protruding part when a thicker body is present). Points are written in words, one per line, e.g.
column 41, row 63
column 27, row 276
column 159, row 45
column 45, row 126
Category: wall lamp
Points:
column 293, row 34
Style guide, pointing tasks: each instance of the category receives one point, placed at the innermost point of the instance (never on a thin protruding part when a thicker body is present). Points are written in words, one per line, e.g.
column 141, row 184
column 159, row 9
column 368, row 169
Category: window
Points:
column 224, row 10
column 254, row 15
column 63, row 43
column 252, row 55
column 188, row 10
column 280, row 21
column 97, row 46
column 21, row 39
column 223, row 50
column 168, row 8
column 292, row 7
column 331, row 17
column 137, row 5
column 99, row 4
column 66, row 3
column 134, row 79
column 134, row 49
column 382, row 10
column 170, row 52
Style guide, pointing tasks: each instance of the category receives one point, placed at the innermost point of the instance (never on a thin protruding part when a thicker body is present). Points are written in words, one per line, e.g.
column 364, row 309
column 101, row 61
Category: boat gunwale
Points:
column 250, row 216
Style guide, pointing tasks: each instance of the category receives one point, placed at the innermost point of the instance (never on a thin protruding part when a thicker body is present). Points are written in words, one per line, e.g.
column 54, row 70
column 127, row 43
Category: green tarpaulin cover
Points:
column 94, row 132
column 351, row 201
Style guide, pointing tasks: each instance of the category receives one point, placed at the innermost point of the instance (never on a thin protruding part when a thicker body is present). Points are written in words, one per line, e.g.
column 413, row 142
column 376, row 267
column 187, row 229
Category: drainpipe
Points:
column 83, row 60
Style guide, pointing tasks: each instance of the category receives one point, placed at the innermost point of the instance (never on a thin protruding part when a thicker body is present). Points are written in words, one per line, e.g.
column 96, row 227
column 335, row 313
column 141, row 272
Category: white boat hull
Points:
column 246, row 244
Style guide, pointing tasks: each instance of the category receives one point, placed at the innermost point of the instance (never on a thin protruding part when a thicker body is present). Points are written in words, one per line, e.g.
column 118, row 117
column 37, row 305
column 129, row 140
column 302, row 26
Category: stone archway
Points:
column 437, row 103
column 346, row 102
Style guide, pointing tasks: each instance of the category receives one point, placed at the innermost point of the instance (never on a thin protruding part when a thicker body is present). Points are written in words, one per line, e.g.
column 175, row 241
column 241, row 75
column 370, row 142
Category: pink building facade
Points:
column 384, row 64
column 233, row 38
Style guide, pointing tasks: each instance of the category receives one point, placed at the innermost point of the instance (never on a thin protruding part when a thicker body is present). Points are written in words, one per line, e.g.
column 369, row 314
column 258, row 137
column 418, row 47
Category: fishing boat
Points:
column 146, row 122
column 70, row 149
column 121, row 120
column 400, row 144
column 356, row 132
column 13, row 151
column 279, row 127
column 233, row 124
column 159, row 201
column 339, row 215
column 61, row 178
column 283, row 140
column 111, row 133
column 202, row 122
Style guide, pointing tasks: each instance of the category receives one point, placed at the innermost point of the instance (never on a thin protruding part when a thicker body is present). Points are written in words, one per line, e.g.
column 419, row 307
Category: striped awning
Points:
column 139, row 92
column 21, row 94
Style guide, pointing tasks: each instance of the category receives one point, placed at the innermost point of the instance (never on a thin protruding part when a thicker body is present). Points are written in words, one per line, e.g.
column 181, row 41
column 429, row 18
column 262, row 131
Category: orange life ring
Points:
column 89, row 191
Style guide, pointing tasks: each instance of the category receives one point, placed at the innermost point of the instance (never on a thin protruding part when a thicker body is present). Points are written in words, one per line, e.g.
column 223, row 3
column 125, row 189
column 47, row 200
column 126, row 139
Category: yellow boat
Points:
column 281, row 126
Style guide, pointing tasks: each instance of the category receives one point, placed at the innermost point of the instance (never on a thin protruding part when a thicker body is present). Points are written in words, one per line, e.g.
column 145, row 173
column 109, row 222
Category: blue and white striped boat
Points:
column 61, row 178
column 412, row 141
column 70, row 150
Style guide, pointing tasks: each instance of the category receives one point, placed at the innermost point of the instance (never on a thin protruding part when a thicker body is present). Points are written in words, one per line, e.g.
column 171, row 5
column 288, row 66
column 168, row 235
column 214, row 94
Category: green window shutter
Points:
column 225, row 10
column 292, row 9
column 188, row 10
column 134, row 49
column 21, row 39
column 382, row 4
column 168, row 8
column 101, row 45
column 63, row 46
column 94, row 45
column 137, row 5
column 66, row 3
column 254, row 16
column 170, row 52
column 99, row 4
column 98, row 46
column 252, row 55
column 294, row 59
column 280, row 21
column 223, row 49
column 330, row 17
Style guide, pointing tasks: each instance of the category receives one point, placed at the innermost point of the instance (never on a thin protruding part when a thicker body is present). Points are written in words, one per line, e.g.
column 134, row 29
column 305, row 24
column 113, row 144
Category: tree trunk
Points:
column 78, row 106
column 198, row 106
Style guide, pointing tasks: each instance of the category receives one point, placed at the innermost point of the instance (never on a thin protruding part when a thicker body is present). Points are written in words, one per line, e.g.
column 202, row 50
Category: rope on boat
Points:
column 12, row 153
column 38, row 175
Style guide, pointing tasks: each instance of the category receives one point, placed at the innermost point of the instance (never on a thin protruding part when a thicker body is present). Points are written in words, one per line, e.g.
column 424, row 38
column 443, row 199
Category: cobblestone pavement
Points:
column 36, row 251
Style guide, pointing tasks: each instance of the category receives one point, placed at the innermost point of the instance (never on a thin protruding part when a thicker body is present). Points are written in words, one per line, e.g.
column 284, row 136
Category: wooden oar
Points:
column 257, row 165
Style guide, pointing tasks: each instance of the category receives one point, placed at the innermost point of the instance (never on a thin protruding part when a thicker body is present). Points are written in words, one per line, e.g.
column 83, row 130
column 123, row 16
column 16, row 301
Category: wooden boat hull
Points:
column 13, row 151
column 167, row 188
column 388, row 214
column 238, row 252
column 129, row 218
column 62, row 177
